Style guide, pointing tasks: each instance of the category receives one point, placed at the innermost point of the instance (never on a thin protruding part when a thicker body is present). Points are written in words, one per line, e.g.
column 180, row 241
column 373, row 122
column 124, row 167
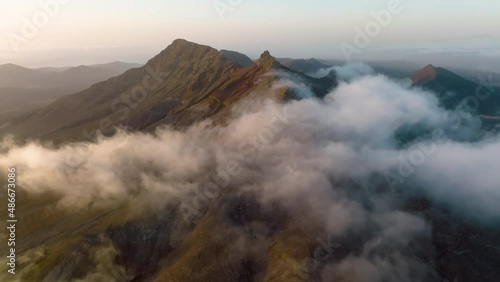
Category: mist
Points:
column 346, row 72
column 316, row 157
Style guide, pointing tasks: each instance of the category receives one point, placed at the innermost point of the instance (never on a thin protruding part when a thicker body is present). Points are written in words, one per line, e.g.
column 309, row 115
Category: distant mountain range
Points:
column 188, row 83
column 303, row 65
column 452, row 88
column 23, row 88
column 396, row 69
column 199, row 82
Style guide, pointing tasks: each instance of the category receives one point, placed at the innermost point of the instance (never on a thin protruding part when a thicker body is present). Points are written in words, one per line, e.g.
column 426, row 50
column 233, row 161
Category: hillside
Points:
column 304, row 65
column 173, row 206
column 23, row 89
column 16, row 76
column 241, row 59
column 184, row 84
column 453, row 90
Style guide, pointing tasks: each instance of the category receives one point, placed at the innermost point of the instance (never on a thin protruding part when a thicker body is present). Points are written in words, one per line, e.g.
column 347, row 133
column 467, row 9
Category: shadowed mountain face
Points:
column 143, row 207
column 184, row 84
column 17, row 76
column 304, row 65
column 241, row 59
column 425, row 75
column 455, row 91
column 23, row 89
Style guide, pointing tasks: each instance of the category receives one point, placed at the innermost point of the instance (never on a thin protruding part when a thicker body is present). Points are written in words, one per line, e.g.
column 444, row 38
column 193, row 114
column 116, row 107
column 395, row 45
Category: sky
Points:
column 73, row 32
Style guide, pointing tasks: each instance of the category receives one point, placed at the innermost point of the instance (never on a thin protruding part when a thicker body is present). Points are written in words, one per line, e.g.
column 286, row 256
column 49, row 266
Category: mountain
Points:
column 488, row 77
column 88, row 75
column 304, row 65
column 23, row 89
column 116, row 67
column 453, row 90
column 241, row 234
column 396, row 69
column 52, row 69
column 17, row 76
column 241, row 59
column 13, row 75
column 184, row 84
column 427, row 74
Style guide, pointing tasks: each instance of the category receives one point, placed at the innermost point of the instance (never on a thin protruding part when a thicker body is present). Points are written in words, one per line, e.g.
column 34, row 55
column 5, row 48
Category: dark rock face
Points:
column 465, row 251
column 141, row 245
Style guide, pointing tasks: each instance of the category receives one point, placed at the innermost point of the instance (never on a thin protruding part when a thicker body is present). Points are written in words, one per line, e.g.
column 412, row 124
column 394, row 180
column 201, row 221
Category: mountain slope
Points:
column 304, row 65
column 183, row 84
column 16, row 76
column 23, row 89
column 242, row 59
column 117, row 67
column 13, row 76
column 454, row 90
column 239, row 233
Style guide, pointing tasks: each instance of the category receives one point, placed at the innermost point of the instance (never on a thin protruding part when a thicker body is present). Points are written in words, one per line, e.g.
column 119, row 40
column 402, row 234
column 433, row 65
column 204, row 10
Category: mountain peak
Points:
column 266, row 56
column 12, row 67
column 428, row 73
column 310, row 65
column 239, row 58
column 267, row 61
column 9, row 65
column 429, row 67
column 179, row 41
column 182, row 51
column 179, row 45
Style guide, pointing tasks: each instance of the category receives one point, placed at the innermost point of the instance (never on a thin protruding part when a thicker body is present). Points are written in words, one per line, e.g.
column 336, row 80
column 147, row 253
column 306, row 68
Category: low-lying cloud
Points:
column 347, row 72
column 306, row 154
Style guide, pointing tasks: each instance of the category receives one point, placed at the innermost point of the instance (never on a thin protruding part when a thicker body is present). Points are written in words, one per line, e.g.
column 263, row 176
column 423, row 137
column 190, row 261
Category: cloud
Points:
column 347, row 72
column 463, row 176
column 317, row 158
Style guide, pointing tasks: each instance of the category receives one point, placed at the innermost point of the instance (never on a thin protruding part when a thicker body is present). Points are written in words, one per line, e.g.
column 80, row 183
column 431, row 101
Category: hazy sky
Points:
column 95, row 31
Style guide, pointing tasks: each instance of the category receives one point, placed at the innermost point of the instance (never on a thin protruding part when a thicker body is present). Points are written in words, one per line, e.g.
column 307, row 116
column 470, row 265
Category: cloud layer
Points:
column 313, row 156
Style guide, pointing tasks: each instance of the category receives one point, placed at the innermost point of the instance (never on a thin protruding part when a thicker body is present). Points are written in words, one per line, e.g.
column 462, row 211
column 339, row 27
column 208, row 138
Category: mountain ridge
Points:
column 428, row 73
column 240, row 58
column 454, row 90
column 237, row 237
column 24, row 89
column 305, row 65
column 185, row 83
